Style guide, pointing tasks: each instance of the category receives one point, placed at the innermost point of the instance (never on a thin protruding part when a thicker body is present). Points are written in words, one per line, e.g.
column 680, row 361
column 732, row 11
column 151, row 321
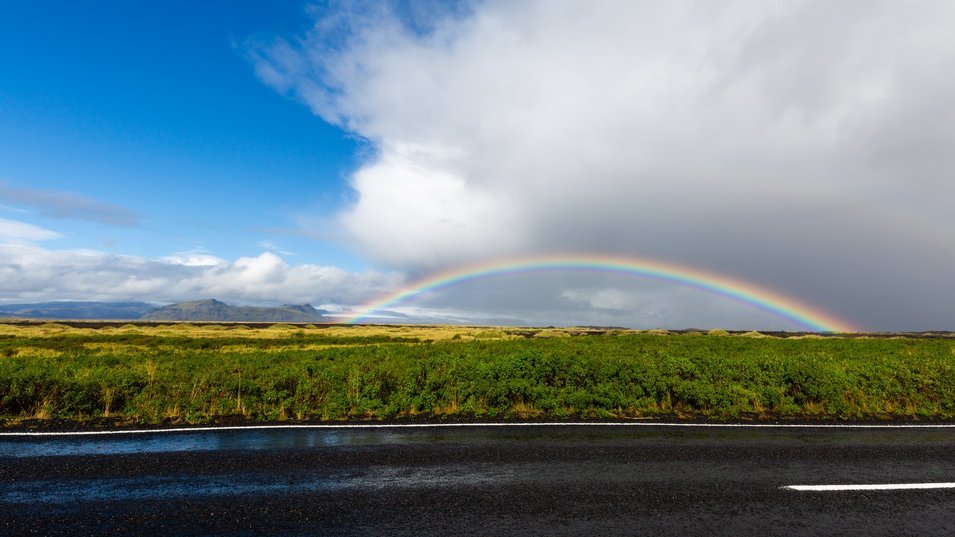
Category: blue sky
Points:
column 334, row 152
column 154, row 107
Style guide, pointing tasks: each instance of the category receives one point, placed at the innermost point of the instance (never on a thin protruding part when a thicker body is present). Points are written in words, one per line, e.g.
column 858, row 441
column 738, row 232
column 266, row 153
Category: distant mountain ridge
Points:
column 195, row 310
column 214, row 310
column 107, row 311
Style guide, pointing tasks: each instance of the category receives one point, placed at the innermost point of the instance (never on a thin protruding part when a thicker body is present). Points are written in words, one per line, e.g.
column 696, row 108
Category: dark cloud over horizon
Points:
column 805, row 146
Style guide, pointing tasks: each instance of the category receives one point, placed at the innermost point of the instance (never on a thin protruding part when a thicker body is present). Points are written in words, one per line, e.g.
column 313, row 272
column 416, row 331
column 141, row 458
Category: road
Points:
column 534, row 480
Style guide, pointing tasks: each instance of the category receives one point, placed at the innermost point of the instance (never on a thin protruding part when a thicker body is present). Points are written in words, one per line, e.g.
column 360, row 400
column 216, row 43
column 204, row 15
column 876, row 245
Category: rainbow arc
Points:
column 772, row 302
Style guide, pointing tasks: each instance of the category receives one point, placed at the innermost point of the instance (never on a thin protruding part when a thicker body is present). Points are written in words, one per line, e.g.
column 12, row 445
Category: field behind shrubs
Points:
column 133, row 374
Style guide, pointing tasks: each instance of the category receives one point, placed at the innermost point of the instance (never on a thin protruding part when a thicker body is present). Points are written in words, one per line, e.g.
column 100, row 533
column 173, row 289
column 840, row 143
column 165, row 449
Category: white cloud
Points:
column 802, row 145
column 32, row 273
column 195, row 259
column 14, row 230
column 272, row 247
column 413, row 210
column 606, row 299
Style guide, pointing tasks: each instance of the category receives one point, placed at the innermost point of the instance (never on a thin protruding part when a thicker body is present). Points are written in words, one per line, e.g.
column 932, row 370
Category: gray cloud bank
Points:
column 806, row 146
column 70, row 206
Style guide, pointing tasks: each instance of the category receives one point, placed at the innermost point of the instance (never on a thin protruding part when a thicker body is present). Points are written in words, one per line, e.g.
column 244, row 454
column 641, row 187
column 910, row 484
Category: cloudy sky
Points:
column 330, row 153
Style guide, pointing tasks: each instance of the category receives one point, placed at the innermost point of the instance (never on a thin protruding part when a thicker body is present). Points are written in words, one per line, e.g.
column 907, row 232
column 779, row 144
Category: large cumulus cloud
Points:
column 803, row 145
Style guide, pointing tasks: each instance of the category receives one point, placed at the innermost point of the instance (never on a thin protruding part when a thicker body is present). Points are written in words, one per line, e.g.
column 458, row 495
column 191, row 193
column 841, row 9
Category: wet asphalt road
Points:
column 479, row 481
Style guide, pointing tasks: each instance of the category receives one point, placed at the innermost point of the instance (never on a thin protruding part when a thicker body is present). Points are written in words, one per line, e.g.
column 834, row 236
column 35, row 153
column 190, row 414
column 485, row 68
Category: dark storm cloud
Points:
column 804, row 146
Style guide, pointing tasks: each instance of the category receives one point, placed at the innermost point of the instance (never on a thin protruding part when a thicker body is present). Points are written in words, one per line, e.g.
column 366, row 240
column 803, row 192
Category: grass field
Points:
column 181, row 373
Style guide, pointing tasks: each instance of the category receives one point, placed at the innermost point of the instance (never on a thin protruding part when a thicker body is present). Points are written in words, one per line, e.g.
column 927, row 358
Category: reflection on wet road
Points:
column 531, row 480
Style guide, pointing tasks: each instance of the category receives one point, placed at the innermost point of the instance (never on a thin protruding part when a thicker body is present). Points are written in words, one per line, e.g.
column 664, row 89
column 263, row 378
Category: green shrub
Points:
column 151, row 378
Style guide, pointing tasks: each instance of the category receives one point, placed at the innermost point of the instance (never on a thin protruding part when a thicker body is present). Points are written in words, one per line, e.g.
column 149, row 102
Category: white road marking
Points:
column 888, row 486
column 461, row 424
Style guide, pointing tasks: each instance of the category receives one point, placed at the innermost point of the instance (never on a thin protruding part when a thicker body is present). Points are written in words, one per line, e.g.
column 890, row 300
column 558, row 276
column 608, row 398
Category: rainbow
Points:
column 766, row 300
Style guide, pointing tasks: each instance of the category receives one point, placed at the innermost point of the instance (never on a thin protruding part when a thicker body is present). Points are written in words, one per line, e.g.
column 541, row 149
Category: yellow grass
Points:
column 213, row 330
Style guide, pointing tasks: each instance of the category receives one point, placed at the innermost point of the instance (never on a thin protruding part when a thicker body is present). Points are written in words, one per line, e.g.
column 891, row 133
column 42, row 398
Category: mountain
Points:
column 214, row 310
column 78, row 310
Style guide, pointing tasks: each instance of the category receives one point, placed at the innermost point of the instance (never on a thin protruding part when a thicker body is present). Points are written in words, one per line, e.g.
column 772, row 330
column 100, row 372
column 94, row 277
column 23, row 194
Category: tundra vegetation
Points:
column 207, row 373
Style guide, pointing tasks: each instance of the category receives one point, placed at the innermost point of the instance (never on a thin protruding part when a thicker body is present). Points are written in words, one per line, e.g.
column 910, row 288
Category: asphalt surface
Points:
column 479, row 481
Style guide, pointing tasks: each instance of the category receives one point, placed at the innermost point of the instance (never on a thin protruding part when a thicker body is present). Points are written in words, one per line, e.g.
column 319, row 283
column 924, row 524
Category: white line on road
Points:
column 504, row 424
column 888, row 486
